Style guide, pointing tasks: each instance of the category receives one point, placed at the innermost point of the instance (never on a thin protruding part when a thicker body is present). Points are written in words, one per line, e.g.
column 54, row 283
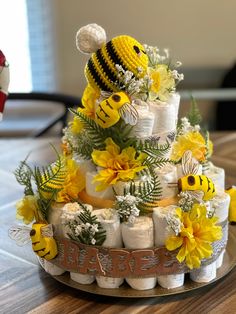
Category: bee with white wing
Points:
column 200, row 186
column 113, row 107
column 41, row 236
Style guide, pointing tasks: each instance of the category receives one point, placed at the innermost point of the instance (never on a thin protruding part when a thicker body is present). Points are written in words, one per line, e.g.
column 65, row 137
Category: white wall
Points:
column 199, row 33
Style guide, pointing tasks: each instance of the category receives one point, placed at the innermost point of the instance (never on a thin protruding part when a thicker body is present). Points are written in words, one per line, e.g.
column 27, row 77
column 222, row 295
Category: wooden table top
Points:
column 26, row 288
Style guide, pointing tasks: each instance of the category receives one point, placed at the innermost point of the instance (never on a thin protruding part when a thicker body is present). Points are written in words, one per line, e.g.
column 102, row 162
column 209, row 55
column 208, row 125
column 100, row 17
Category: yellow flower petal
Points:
column 172, row 243
column 26, row 209
column 196, row 236
column 89, row 100
column 193, row 261
column 162, row 82
column 192, row 141
column 117, row 165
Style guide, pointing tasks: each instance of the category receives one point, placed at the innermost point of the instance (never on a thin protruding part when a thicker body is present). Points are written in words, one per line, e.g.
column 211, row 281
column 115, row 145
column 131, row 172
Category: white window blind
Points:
column 41, row 44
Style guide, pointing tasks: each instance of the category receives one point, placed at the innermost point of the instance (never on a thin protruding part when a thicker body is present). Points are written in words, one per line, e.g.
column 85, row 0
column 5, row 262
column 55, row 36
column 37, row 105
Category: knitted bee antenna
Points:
column 90, row 38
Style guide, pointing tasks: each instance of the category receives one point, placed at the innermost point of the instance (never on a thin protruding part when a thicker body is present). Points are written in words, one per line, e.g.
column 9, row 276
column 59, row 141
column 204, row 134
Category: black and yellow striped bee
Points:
column 117, row 105
column 193, row 182
column 41, row 236
column 43, row 243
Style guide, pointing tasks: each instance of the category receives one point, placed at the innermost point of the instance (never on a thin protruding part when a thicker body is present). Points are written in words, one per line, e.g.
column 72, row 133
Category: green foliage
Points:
column 151, row 161
column 84, row 146
column 50, row 179
column 93, row 136
column 96, row 135
column 148, row 191
column 90, row 228
column 152, row 148
column 42, row 181
column 23, row 175
column 120, row 133
column 194, row 115
column 155, row 152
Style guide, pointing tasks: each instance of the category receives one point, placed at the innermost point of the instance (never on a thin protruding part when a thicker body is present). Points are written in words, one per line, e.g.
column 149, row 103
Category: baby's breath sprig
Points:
column 126, row 206
column 128, row 82
column 173, row 222
column 85, row 228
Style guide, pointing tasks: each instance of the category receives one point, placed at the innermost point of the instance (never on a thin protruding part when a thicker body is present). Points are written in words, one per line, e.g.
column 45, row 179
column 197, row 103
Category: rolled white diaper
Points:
column 144, row 125
column 171, row 281
column 91, row 188
column 83, row 279
column 111, row 224
column 167, row 174
column 220, row 259
column 216, row 174
column 67, row 214
column 109, row 282
column 139, row 236
column 54, row 218
column 175, row 100
column 204, row 273
column 85, row 165
column 220, row 205
column 165, row 116
column 50, row 268
column 162, row 231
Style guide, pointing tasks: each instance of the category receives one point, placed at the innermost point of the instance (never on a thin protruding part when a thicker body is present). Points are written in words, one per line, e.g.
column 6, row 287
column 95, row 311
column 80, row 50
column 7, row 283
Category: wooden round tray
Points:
column 126, row 292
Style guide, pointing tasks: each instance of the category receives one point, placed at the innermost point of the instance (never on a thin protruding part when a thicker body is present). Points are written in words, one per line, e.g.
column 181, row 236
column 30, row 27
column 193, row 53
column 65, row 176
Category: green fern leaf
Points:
column 194, row 115
column 51, row 178
column 149, row 191
column 152, row 148
column 96, row 133
column 23, row 175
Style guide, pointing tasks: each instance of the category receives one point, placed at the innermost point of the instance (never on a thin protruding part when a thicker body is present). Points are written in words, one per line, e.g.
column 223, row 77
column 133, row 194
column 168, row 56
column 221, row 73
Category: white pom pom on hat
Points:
column 90, row 38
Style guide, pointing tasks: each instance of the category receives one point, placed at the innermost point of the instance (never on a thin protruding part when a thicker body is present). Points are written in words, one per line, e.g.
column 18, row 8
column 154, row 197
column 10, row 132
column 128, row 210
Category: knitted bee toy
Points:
column 100, row 70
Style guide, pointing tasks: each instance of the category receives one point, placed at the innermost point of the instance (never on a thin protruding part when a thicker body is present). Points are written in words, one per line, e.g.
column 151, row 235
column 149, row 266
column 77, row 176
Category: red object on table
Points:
column 4, row 81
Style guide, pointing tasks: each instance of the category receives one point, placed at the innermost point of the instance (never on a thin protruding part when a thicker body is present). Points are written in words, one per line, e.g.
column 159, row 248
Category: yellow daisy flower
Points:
column 73, row 184
column 163, row 82
column 196, row 236
column 192, row 141
column 76, row 126
column 117, row 165
column 26, row 209
column 89, row 98
column 88, row 101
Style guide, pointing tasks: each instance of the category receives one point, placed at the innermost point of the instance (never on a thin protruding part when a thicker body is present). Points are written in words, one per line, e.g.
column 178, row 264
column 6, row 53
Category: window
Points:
column 14, row 42
column 26, row 39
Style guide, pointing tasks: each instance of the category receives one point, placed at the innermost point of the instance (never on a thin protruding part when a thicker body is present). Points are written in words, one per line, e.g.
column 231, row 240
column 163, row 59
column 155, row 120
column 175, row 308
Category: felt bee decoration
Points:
column 110, row 110
column 195, row 183
column 41, row 236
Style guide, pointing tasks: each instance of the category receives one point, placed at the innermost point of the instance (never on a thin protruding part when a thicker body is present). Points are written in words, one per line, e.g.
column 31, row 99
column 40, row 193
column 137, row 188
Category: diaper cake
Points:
column 133, row 199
